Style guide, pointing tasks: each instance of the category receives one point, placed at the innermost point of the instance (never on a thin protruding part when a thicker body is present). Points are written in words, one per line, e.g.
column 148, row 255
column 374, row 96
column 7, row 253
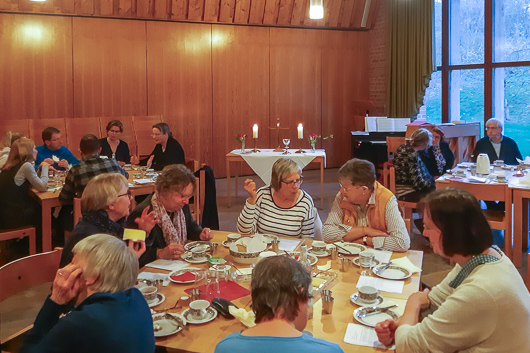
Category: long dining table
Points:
column 331, row 327
column 50, row 199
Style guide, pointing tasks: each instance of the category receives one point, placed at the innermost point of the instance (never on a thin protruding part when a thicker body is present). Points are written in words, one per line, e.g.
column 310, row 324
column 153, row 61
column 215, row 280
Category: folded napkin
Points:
column 186, row 276
column 229, row 290
column 246, row 317
column 405, row 263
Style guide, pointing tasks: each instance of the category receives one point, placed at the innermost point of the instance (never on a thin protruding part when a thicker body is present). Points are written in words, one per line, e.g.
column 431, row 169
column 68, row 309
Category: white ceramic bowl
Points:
column 246, row 258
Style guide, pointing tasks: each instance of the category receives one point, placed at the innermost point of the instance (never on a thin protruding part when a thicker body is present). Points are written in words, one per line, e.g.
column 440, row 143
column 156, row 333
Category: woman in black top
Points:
column 112, row 146
column 439, row 157
column 167, row 150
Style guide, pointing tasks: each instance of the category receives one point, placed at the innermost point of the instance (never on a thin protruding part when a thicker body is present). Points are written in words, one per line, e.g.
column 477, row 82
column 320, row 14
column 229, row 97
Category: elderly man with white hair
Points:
column 496, row 145
column 110, row 314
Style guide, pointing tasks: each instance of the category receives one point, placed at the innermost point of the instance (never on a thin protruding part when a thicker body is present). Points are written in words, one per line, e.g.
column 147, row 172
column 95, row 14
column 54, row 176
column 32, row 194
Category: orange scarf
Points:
column 375, row 212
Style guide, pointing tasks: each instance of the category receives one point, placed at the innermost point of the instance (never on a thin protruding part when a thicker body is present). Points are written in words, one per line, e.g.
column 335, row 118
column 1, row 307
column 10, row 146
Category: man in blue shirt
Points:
column 53, row 147
column 496, row 145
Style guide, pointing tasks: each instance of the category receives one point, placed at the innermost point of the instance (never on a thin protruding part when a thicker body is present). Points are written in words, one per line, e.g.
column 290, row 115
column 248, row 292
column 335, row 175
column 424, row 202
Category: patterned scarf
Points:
column 173, row 224
column 439, row 157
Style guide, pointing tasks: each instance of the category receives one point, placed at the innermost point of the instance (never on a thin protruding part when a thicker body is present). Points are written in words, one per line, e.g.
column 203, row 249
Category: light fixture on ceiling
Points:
column 316, row 9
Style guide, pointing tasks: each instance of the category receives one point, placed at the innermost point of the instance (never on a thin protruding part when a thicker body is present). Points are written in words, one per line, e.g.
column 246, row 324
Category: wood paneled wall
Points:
column 207, row 81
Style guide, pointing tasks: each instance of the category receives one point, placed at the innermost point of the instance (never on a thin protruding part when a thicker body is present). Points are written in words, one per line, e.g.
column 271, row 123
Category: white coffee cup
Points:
column 319, row 247
column 198, row 252
column 368, row 294
column 198, row 309
column 149, row 293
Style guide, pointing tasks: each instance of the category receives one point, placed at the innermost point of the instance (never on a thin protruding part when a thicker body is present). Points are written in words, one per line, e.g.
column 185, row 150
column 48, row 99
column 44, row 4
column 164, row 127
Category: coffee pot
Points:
column 483, row 164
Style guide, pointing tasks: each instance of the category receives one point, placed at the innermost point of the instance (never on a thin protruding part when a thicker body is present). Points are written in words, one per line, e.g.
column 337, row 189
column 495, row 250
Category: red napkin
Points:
column 229, row 290
column 184, row 277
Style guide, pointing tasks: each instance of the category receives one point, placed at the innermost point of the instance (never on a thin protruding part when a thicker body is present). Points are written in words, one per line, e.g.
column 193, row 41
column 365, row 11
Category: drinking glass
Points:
column 286, row 142
column 366, row 261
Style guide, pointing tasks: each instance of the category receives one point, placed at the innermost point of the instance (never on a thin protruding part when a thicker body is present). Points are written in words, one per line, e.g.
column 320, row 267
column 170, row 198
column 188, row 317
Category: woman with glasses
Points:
column 105, row 204
column 364, row 211
column 112, row 146
column 281, row 208
column 167, row 150
column 174, row 223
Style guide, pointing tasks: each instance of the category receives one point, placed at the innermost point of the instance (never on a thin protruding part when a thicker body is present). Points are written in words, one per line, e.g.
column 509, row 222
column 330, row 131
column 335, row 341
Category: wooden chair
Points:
column 23, row 274
column 491, row 192
column 406, row 207
column 142, row 126
column 528, row 271
column 197, row 205
column 20, row 233
column 77, row 210
column 77, row 128
column 128, row 131
column 37, row 125
column 392, row 144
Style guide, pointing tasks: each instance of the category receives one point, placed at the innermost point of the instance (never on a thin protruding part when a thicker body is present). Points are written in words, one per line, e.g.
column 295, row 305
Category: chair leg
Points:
column 408, row 219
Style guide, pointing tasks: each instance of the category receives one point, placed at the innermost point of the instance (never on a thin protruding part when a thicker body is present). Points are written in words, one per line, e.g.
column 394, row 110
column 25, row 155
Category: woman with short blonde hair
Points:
column 110, row 315
column 105, row 204
column 17, row 177
column 281, row 208
column 438, row 158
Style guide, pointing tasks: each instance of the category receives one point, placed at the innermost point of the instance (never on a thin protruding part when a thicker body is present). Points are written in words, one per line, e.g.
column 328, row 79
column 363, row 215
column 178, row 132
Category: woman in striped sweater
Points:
column 281, row 208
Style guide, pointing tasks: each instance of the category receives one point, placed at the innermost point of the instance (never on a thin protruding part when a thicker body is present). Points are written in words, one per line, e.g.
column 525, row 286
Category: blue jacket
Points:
column 102, row 323
column 62, row 153
column 509, row 150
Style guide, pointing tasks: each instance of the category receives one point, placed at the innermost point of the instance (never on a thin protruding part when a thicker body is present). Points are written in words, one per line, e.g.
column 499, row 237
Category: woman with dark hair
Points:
column 175, row 225
column 112, row 146
column 410, row 170
column 439, row 157
column 481, row 306
column 279, row 290
column 167, row 150
column 364, row 211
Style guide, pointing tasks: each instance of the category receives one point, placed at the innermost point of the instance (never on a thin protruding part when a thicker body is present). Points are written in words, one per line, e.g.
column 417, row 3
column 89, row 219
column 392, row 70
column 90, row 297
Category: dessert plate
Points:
column 392, row 272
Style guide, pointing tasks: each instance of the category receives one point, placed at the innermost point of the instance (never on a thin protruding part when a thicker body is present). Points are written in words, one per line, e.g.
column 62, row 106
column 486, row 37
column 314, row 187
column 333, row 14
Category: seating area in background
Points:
column 136, row 130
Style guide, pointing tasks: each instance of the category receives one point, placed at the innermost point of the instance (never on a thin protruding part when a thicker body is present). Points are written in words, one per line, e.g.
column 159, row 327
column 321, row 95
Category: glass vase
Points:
column 243, row 146
column 313, row 147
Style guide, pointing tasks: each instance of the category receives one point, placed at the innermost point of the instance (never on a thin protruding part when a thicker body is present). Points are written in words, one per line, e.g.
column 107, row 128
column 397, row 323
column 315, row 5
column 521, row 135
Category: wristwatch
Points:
column 365, row 238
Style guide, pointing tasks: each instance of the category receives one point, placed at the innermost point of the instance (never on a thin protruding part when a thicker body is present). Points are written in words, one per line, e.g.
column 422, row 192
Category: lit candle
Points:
column 300, row 131
column 255, row 131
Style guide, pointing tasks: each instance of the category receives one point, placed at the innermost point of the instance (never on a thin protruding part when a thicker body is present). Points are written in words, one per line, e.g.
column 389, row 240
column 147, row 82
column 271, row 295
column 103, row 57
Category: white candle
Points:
column 300, row 131
column 255, row 131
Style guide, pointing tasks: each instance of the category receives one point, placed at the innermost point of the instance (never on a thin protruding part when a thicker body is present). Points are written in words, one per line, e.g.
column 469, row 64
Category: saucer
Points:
column 268, row 237
column 187, row 257
column 211, row 314
column 158, row 300
column 319, row 254
column 181, row 271
column 311, row 256
column 392, row 272
column 194, row 244
column 350, row 248
column 226, row 243
column 354, row 298
column 372, row 320
column 167, row 325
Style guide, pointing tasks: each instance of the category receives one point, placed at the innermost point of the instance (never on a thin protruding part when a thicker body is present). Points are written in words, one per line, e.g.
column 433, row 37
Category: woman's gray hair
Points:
column 102, row 190
column 174, row 177
column 282, row 168
column 421, row 137
column 359, row 171
column 110, row 261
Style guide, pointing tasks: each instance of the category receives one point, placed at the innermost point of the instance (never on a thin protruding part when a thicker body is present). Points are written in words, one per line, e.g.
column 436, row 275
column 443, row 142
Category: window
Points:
column 483, row 57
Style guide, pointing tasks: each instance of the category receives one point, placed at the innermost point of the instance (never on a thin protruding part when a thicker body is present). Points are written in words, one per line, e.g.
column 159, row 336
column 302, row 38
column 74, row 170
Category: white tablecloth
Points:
column 261, row 162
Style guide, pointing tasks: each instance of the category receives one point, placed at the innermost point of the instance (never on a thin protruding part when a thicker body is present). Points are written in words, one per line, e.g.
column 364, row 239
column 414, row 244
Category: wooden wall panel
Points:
column 272, row 8
column 242, row 11
column 211, row 10
column 344, row 81
column 180, row 83
column 285, row 12
column 295, row 81
column 35, row 67
column 195, row 10
column 109, row 67
column 257, row 8
column 226, row 10
column 240, row 59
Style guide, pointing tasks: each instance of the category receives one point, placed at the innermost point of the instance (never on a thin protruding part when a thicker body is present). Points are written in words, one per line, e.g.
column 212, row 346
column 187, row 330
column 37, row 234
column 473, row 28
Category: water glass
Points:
column 366, row 261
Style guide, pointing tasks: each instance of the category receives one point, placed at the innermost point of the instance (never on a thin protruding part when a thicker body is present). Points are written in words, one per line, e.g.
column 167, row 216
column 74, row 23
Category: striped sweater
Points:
column 267, row 218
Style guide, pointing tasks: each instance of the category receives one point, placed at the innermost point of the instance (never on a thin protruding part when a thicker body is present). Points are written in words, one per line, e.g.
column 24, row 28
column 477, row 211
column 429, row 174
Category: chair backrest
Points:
column 77, row 209
column 142, row 126
column 77, row 128
column 37, row 125
column 28, row 272
column 20, row 126
column 528, row 272
column 392, row 144
column 128, row 131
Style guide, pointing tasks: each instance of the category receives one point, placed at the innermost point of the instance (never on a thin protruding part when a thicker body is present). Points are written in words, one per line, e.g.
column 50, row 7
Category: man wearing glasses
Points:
column 496, row 145
column 281, row 208
column 53, row 152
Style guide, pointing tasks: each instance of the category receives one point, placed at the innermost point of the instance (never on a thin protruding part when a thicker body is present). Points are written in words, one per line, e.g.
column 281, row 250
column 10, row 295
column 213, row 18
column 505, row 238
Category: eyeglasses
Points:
column 294, row 182
column 128, row 194
column 115, row 131
column 345, row 188
column 184, row 196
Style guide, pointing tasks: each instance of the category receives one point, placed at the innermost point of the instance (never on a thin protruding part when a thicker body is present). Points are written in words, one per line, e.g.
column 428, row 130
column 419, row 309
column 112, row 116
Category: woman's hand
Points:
column 250, row 187
column 386, row 331
column 66, row 284
column 44, row 164
column 420, row 299
column 135, row 160
column 171, row 252
column 206, row 234
column 150, row 161
column 146, row 221
column 121, row 163
column 137, row 247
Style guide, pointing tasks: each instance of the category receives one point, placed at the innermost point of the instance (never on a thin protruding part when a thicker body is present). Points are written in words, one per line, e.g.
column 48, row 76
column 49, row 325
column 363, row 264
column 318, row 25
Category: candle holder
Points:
column 300, row 149
column 255, row 150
